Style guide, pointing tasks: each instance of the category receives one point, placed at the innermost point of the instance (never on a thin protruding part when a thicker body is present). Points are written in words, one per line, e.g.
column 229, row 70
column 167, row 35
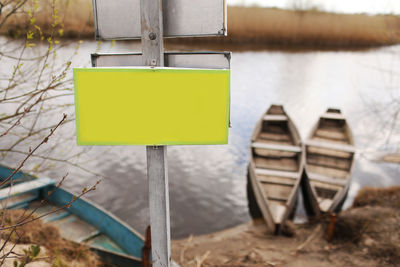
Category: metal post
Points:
column 157, row 172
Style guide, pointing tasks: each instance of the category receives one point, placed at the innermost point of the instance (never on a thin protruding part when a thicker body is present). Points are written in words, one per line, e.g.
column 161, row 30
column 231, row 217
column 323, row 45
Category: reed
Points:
column 247, row 25
column 311, row 27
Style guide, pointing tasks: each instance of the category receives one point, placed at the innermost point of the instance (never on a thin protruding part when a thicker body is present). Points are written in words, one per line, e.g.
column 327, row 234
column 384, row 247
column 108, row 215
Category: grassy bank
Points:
column 246, row 26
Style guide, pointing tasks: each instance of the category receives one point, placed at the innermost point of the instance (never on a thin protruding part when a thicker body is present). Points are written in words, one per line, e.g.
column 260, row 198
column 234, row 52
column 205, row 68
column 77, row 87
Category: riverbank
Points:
column 247, row 26
column 364, row 235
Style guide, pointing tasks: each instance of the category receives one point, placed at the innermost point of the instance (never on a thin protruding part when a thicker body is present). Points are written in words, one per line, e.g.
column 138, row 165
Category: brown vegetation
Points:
column 246, row 26
column 309, row 28
column 61, row 252
column 365, row 235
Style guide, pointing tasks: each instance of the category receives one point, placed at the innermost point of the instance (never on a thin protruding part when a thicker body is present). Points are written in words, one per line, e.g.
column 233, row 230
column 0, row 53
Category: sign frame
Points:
column 181, row 18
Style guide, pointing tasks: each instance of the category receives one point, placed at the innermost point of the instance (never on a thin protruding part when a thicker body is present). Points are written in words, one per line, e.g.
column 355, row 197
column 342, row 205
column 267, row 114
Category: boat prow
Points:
column 276, row 166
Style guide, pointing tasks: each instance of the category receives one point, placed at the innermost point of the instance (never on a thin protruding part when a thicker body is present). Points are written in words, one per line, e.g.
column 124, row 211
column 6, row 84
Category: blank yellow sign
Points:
column 151, row 106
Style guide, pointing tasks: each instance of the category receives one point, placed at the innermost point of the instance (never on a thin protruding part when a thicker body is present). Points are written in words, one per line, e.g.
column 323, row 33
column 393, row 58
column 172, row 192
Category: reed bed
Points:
column 246, row 26
column 256, row 26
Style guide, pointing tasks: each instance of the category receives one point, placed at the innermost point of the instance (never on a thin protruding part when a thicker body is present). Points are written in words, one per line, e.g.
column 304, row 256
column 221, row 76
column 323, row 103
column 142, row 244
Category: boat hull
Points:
column 329, row 152
column 275, row 167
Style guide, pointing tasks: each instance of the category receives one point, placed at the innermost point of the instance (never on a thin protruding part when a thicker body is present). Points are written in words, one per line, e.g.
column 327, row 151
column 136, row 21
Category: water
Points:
column 208, row 183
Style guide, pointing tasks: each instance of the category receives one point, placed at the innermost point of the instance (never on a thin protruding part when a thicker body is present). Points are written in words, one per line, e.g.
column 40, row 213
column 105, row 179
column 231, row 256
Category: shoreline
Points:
column 248, row 28
column 361, row 237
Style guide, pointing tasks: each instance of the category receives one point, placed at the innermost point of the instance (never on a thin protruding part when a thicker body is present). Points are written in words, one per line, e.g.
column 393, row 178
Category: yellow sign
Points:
column 151, row 106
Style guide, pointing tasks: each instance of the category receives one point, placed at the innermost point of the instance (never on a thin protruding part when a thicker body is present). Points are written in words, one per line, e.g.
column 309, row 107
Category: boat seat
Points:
column 293, row 175
column 270, row 117
column 74, row 229
column 326, row 179
column 333, row 116
column 296, row 149
column 25, row 187
column 333, row 146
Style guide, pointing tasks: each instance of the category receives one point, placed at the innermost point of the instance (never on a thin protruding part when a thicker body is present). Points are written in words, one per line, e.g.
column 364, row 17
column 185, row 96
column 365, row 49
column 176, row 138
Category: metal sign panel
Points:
column 151, row 106
column 201, row 60
column 120, row 19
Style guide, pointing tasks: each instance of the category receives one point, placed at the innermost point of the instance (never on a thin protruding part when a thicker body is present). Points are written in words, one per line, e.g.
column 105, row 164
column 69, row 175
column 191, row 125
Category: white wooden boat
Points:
column 276, row 166
column 329, row 153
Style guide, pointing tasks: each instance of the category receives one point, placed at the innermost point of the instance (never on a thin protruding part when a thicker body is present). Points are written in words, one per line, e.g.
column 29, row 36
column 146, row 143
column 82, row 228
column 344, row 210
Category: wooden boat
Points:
column 276, row 166
column 114, row 241
column 329, row 153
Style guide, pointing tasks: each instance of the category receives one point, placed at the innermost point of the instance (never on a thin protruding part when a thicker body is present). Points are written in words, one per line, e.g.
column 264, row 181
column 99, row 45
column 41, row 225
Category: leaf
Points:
column 35, row 250
column 15, row 264
column 29, row 35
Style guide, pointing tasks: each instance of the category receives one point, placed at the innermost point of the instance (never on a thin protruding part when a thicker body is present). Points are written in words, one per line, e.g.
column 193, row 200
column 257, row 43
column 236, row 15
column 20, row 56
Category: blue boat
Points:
column 83, row 222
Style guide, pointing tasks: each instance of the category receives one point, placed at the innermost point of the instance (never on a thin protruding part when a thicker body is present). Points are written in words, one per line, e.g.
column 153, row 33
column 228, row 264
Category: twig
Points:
column 309, row 239
column 200, row 260
column 69, row 204
column 33, row 151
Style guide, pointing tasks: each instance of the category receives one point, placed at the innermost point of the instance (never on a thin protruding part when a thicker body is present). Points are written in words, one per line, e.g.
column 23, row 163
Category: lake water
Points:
column 208, row 183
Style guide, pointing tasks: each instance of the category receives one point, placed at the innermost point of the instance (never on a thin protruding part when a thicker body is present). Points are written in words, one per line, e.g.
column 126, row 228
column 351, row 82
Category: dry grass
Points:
column 61, row 252
column 383, row 197
column 251, row 26
column 313, row 28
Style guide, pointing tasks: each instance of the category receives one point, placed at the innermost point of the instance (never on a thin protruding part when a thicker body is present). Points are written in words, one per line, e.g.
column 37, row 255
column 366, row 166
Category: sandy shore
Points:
column 365, row 235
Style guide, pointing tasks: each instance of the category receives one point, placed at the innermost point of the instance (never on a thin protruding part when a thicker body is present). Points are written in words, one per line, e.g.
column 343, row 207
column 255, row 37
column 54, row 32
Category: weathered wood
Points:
column 21, row 188
column 151, row 14
column 268, row 172
column 273, row 153
column 74, row 229
column 152, row 32
column 326, row 179
column 325, row 186
column 328, row 161
column 276, row 164
column 333, row 116
column 331, row 145
column 269, row 146
column 329, row 152
column 283, row 164
column 327, row 171
column 261, row 198
column 157, row 173
column 281, row 138
column 276, row 191
column 332, row 134
column 276, row 180
column 271, row 117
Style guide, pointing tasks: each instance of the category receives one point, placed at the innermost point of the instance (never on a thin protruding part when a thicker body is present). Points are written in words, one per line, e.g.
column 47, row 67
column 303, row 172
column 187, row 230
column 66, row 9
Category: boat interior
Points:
column 277, row 158
column 329, row 156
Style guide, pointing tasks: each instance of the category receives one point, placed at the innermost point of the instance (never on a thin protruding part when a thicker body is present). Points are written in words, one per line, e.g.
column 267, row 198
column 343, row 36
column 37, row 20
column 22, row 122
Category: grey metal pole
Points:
column 157, row 171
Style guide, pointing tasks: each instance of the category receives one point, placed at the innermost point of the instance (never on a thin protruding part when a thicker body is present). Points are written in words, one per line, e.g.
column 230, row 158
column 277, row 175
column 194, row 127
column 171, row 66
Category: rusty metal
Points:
column 146, row 250
column 331, row 227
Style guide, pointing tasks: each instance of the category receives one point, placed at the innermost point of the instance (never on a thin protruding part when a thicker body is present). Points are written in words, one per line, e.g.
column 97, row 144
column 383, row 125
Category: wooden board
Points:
column 284, row 164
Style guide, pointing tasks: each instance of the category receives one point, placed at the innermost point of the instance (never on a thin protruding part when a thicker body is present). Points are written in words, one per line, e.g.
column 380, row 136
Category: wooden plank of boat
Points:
column 329, row 153
column 275, row 166
column 274, row 117
column 270, row 146
column 332, row 146
column 113, row 240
